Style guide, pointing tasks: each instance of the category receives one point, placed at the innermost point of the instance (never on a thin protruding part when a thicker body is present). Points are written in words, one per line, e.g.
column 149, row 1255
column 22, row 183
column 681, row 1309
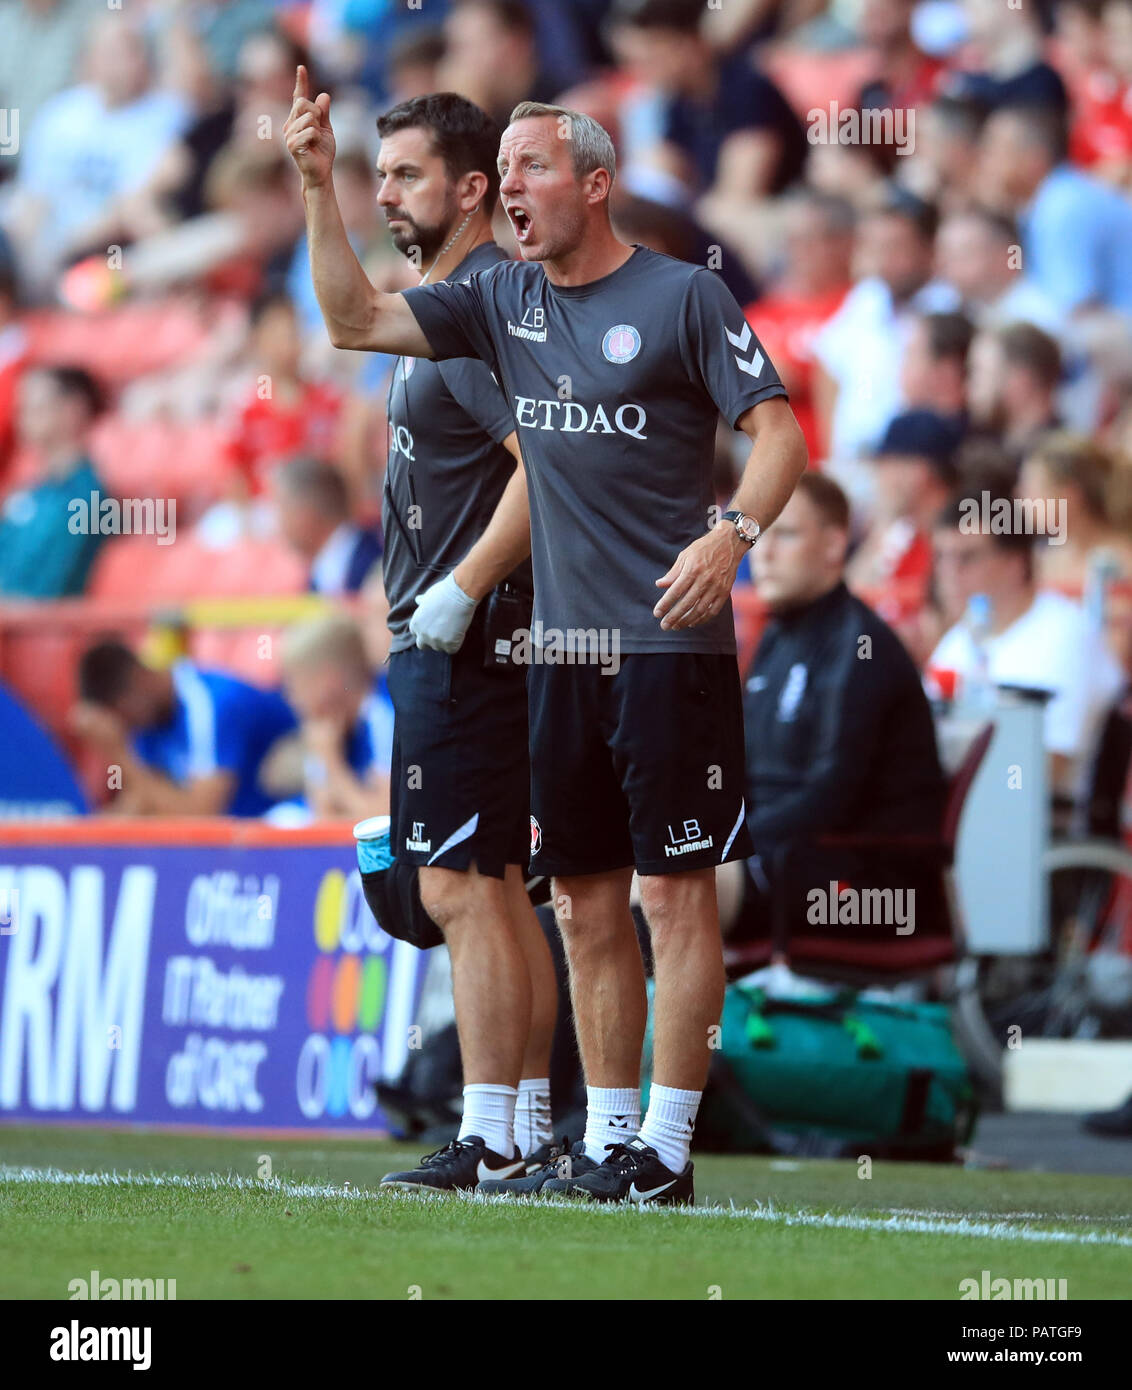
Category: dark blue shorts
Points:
column 460, row 779
column 643, row 768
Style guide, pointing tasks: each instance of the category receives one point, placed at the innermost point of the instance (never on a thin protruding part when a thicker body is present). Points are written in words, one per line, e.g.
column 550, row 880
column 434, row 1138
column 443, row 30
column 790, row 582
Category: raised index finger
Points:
column 302, row 84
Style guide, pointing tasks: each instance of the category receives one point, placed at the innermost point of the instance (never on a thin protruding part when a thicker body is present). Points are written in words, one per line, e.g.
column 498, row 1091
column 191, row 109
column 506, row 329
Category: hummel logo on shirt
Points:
column 532, row 326
column 753, row 366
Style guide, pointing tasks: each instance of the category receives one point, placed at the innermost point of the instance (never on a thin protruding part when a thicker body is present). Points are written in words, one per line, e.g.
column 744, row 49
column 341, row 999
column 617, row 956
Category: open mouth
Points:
column 521, row 223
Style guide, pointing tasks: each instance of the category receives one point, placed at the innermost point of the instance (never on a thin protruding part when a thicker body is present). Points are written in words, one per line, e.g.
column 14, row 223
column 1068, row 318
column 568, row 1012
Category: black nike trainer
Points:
column 559, row 1161
column 457, row 1167
column 633, row 1172
column 545, row 1153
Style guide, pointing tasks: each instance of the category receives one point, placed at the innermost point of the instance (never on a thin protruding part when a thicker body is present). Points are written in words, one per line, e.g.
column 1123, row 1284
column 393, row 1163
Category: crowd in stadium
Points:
column 926, row 209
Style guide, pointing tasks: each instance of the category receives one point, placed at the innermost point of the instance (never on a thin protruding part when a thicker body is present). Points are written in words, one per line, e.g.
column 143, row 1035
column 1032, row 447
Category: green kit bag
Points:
column 880, row 1077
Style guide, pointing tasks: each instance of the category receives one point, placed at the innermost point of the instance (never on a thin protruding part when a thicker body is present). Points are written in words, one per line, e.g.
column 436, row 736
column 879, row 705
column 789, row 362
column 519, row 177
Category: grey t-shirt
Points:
column 446, row 467
column 616, row 388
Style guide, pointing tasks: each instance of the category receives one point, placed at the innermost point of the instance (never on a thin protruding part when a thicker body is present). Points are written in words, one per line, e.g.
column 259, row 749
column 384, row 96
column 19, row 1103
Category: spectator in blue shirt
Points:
column 46, row 544
column 1076, row 230
column 179, row 742
column 347, row 718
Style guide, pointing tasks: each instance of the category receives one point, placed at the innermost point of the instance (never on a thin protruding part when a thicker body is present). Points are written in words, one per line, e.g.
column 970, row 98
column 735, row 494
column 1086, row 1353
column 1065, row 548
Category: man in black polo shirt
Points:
column 838, row 728
column 617, row 362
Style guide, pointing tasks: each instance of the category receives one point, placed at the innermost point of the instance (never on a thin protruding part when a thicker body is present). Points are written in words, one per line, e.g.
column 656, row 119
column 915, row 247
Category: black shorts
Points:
column 460, row 778
column 645, row 767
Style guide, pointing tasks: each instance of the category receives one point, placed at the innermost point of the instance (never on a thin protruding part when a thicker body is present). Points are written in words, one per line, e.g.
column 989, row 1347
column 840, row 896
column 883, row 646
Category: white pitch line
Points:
column 1124, row 1219
column 212, row 1182
column 895, row 1224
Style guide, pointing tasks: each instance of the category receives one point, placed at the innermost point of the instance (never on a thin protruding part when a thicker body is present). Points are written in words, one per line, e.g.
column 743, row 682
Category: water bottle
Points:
column 1103, row 568
column 979, row 693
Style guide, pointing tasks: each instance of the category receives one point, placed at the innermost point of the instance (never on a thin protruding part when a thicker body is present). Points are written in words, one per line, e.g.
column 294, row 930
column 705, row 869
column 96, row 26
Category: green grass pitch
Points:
column 194, row 1208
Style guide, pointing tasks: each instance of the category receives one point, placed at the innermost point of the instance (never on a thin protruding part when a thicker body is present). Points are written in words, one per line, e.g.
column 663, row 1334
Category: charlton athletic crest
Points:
column 536, row 837
column 621, row 344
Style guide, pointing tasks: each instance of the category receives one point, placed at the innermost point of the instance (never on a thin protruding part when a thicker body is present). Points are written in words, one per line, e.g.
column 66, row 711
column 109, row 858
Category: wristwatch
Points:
column 748, row 528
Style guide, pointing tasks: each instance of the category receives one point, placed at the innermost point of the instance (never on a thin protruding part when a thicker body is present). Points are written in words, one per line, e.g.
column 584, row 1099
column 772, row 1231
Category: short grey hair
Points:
column 590, row 144
column 331, row 640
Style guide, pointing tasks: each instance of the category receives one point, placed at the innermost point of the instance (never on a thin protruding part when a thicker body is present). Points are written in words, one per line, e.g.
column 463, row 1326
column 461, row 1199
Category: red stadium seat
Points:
column 188, row 570
column 256, row 567
column 938, row 939
column 201, row 461
column 121, row 344
column 162, row 458
column 812, row 80
column 136, row 566
column 751, row 617
column 122, row 568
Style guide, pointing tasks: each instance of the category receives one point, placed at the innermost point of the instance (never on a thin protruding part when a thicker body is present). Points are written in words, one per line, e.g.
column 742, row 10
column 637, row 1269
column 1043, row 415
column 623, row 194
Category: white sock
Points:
column 613, row 1115
column 533, row 1125
column 669, row 1124
column 489, row 1111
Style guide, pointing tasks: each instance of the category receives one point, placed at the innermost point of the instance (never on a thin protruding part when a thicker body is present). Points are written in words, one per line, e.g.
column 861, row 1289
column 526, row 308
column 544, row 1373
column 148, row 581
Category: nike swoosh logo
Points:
column 509, row 1170
column 639, row 1196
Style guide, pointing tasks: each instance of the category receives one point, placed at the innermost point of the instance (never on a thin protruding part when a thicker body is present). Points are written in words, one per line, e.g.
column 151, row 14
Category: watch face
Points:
column 749, row 529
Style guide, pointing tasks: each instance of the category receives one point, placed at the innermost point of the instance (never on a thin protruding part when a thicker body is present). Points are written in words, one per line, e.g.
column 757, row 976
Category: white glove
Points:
column 444, row 614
